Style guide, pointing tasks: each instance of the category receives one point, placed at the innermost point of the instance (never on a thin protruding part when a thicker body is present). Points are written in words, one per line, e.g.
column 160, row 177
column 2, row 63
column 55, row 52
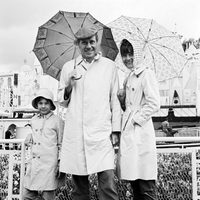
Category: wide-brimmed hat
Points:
column 44, row 93
column 84, row 33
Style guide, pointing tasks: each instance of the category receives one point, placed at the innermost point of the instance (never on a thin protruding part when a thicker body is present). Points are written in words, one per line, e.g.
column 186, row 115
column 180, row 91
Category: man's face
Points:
column 128, row 60
column 88, row 48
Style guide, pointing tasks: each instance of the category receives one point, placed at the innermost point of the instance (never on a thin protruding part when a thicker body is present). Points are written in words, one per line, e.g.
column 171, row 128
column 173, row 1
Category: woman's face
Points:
column 128, row 60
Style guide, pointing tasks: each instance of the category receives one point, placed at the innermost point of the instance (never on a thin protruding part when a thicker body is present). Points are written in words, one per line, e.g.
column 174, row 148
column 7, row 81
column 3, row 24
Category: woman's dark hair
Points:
column 126, row 48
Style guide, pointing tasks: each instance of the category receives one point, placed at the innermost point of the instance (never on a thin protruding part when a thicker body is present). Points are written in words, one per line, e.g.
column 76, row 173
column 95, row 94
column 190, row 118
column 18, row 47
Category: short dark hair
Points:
column 126, row 48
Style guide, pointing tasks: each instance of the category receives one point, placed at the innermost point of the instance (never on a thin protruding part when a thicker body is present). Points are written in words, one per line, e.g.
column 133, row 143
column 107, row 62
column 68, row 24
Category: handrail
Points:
column 178, row 139
column 12, row 140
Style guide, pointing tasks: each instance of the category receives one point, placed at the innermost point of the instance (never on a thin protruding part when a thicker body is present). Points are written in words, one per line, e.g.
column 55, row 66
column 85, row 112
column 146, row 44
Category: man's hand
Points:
column 72, row 78
column 115, row 138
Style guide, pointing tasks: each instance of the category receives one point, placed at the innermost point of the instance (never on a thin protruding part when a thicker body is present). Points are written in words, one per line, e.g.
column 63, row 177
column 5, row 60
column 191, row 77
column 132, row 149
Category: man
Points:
column 167, row 129
column 89, row 85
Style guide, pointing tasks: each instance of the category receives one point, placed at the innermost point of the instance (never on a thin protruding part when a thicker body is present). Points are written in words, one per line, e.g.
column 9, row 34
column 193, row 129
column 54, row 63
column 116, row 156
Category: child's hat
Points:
column 85, row 32
column 45, row 93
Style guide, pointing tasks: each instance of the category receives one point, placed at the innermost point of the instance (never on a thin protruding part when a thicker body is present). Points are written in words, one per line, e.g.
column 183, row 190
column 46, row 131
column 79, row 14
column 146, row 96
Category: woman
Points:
column 10, row 134
column 138, row 146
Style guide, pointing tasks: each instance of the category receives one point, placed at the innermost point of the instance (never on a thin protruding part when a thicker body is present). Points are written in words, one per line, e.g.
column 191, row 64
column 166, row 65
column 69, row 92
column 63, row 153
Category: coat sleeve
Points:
column 114, row 102
column 63, row 83
column 60, row 130
column 151, row 101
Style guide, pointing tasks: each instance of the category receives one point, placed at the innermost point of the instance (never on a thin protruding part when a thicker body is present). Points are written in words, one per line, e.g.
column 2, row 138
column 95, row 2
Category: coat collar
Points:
column 80, row 59
column 45, row 116
column 139, row 69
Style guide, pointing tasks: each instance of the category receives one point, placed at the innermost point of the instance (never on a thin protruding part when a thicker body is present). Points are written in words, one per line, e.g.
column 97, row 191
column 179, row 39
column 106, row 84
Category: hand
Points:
column 58, row 169
column 74, row 76
column 59, row 175
column 115, row 138
column 29, row 140
column 121, row 95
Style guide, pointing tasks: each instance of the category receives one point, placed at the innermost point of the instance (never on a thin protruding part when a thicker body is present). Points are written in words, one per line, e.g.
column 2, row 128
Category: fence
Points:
column 11, row 169
column 181, row 132
column 178, row 171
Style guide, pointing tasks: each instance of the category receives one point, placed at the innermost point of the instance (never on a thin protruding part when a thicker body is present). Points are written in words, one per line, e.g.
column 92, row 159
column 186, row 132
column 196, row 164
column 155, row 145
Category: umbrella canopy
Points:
column 55, row 40
column 153, row 44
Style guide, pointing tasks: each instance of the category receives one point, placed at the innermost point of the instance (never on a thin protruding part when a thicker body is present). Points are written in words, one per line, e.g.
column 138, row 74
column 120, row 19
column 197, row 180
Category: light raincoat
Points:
column 92, row 114
column 46, row 139
column 138, row 144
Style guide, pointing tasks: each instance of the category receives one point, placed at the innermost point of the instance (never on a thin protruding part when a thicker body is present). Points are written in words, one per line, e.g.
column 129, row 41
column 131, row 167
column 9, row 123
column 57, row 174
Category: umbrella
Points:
column 55, row 40
column 153, row 44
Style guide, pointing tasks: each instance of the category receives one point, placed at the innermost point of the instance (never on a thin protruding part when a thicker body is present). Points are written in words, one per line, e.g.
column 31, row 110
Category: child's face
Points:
column 44, row 106
column 128, row 60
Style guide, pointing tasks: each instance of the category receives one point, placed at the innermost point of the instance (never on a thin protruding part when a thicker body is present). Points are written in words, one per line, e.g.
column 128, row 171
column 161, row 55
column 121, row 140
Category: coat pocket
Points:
column 126, row 120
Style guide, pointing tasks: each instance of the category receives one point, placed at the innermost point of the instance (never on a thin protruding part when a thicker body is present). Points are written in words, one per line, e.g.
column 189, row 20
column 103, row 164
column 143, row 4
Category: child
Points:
column 42, row 173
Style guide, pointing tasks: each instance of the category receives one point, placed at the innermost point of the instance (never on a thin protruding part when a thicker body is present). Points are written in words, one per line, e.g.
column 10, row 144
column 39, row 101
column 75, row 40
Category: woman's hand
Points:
column 121, row 94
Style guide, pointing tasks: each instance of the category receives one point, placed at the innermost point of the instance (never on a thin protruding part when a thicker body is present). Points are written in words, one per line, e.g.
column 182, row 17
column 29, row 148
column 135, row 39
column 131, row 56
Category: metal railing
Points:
column 178, row 171
column 178, row 168
column 11, row 169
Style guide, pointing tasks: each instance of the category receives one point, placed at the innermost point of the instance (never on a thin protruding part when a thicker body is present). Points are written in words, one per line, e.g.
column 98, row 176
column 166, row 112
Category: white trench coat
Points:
column 92, row 114
column 46, row 137
column 138, row 145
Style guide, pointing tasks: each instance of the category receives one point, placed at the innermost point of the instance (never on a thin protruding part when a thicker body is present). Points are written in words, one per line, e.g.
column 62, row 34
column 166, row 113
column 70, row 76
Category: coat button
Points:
column 35, row 143
column 38, row 157
column 133, row 89
column 38, row 143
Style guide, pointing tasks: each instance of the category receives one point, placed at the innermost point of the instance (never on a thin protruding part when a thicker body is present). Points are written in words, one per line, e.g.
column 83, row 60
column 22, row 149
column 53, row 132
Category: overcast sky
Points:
column 20, row 19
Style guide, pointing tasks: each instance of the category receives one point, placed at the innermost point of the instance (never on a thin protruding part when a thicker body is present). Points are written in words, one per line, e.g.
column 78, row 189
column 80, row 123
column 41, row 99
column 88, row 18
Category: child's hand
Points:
column 59, row 174
column 28, row 140
column 57, row 169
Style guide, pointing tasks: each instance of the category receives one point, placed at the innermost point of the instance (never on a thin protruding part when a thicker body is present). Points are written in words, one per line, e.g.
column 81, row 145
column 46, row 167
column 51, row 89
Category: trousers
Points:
column 107, row 187
column 33, row 194
column 144, row 189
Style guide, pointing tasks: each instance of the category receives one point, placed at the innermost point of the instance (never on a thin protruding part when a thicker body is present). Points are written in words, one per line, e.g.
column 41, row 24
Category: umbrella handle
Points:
column 75, row 63
column 75, row 69
column 78, row 78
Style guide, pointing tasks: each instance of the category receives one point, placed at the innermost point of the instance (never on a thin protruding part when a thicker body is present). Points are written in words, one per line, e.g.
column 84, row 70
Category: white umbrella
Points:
column 153, row 44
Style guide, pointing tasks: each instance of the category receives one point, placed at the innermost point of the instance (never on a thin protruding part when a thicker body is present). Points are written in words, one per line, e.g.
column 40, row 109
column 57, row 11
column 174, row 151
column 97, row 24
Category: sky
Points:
column 20, row 19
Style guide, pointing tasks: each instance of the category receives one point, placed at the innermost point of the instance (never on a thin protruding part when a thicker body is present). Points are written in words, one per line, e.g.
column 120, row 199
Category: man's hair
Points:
column 126, row 48
column 78, row 40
